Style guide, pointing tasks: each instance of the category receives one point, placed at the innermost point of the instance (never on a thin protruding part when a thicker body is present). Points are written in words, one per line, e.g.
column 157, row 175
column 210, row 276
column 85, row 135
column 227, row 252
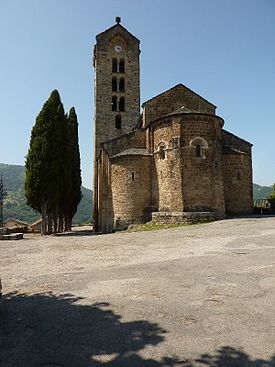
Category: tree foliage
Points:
column 53, row 166
column 271, row 196
column 75, row 172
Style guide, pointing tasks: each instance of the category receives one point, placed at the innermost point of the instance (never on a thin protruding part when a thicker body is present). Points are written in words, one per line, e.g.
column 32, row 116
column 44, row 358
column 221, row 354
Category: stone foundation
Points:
column 185, row 217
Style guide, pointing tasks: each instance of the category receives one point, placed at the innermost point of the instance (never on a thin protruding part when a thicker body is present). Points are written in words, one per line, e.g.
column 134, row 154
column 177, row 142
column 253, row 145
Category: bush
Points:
column 271, row 197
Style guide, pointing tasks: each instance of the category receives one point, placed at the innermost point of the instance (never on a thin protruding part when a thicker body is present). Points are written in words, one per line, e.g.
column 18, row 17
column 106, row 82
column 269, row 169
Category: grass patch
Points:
column 151, row 226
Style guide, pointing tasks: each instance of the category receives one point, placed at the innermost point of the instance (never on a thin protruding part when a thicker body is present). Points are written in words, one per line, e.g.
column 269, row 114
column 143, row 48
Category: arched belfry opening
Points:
column 121, row 85
column 114, row 65
column 118, row 122
column 122, row 104
column 114, row 84
column 114, row 103
column 122, row 66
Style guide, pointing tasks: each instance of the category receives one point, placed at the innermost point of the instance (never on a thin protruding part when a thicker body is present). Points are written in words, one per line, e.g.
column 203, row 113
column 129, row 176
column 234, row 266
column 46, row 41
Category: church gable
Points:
column 173, row 99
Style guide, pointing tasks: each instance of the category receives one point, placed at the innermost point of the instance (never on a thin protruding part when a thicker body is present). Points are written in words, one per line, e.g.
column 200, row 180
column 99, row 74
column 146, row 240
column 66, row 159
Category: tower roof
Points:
column 119, row 28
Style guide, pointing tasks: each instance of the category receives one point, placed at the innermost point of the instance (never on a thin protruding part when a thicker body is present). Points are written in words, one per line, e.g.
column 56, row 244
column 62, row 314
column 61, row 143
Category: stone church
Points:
column 173, row 161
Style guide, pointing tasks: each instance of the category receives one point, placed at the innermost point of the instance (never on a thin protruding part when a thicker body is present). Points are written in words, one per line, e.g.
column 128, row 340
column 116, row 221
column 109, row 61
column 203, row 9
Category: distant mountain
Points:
column 15, row 203
column 261, row 192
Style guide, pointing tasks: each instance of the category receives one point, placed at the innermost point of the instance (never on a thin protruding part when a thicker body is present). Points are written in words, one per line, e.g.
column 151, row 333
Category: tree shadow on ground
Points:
column 230, row 357
column 61, row 330
column 47, row 330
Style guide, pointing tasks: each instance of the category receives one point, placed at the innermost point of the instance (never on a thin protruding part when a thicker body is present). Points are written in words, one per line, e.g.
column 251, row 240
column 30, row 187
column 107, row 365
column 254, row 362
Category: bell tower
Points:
column 116, row 90
column 117, row 86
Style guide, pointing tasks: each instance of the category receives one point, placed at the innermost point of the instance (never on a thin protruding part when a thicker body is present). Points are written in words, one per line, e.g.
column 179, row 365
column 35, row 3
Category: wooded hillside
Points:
column 15, row 203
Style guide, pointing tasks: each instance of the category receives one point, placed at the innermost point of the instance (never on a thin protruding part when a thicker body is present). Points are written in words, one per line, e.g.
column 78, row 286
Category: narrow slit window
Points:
column 114, row 103
column 238, row 175
column 114, row 65
column 133, row 176
column 161, row 153
column 122, row 104
column 198, row 150
column 118, row 122
column 121, row 66
column 121, row 85
column 114, row 84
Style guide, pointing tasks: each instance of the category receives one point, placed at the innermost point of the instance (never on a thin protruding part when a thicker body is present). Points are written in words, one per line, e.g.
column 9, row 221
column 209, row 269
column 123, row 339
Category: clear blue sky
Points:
column 222, row 49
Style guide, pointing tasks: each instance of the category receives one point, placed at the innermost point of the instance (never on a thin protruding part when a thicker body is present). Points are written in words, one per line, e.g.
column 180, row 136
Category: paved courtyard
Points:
column 202, row 295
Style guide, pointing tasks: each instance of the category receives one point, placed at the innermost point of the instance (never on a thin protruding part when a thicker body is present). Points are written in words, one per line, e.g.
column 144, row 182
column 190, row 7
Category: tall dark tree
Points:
column 47, row 163
column 75, row 172
column 53, row 176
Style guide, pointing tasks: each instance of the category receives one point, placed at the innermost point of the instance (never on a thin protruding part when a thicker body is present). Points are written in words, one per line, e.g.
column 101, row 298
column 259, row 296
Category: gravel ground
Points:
column 202, row 295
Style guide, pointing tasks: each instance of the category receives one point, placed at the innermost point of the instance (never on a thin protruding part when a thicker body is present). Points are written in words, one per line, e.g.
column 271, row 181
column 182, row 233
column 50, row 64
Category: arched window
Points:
column 114, row 65
column 161, row 151
column 121, row 104
column 198, row 150
column 114, row 103
column 114, row 84
column 118, row 122
column 121, row 66
column 121, row 84
column 200, row 145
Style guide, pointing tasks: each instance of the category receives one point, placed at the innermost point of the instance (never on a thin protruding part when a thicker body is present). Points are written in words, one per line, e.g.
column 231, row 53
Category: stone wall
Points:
column 131, row 194
column 202, row 176
column 167, row 179
column 182, row 181
column 105, row 201
column 184, row 217
column 134, row 139
column 238, row 191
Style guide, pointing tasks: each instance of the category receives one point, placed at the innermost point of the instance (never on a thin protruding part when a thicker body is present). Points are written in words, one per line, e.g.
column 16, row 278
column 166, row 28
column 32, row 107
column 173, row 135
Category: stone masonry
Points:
column 173, row 162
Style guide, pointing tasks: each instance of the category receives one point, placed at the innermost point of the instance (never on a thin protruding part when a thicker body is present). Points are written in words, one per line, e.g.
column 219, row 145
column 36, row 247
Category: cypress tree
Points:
column 75, row 171
column 46, row 171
